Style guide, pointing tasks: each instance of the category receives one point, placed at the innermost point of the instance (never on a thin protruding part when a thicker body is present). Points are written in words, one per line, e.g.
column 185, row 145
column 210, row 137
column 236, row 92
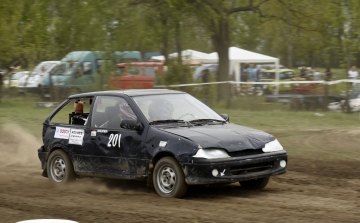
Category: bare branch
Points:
column 249, row 7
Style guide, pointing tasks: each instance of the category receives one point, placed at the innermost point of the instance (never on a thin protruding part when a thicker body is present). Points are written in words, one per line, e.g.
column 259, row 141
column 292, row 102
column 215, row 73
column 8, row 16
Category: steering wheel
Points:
column 187, row 114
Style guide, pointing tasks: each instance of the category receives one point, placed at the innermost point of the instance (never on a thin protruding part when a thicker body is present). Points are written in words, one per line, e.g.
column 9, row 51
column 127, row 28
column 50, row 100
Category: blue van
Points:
column 78, row 69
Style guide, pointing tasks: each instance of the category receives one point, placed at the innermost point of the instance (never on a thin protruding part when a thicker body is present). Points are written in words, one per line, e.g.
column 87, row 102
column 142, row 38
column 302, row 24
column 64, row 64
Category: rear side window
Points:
column 75, row 112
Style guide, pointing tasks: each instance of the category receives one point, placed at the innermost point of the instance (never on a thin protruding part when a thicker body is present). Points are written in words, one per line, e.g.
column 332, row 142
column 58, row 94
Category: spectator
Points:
column 251, row 71
column 258, row 77
column 205, row 79
column 245, row 73
column 303, row 72
column 205, row 75
column 328, row 74
column 353, row 73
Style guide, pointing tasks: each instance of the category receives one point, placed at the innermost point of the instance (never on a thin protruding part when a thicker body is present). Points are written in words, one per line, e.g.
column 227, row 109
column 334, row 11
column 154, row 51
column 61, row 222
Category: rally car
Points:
column 167, row 138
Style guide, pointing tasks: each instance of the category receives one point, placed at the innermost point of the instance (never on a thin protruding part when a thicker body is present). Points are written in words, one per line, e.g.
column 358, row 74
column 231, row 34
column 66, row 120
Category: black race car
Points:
column 168, row 138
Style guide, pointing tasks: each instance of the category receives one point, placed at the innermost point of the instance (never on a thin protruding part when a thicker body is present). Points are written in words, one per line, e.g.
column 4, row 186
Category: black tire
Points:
column 169, row 179
column 255, row 184
column 60, row 169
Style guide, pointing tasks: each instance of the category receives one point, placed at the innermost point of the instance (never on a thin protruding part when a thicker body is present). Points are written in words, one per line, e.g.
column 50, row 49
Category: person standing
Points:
column 251, row 71
column 1, row 83
column 328, row 74
column 244, row 73
column 353, row 73
column 258, row 78
column 205, row 79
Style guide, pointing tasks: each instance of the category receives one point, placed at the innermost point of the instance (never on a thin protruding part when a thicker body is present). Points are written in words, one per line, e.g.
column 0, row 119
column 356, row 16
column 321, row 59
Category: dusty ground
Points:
column 322, row 185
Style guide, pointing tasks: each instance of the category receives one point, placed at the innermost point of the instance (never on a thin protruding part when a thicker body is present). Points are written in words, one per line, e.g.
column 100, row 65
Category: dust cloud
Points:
column 18, row 147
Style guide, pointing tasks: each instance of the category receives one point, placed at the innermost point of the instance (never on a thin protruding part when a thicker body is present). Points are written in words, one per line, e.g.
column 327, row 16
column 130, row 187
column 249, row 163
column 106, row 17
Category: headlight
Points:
column 272, row 146
column 211, row 154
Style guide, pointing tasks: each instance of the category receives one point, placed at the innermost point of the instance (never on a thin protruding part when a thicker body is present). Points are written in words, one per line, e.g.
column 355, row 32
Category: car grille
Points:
column 246, row 152
column 251, row 168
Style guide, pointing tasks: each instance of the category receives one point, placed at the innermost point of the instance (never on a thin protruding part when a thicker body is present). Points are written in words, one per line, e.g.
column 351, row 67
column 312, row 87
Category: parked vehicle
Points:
column 37, row 78
column 271, row 66
column 13, row 80
column 137, row 75
column 211, row 67
column 285, row 75
column 167, row 138
column 78, row 69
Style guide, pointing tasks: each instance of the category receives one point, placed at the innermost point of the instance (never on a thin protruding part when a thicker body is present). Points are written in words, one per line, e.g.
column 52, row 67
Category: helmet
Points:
column 126, row 112
column 161, row 110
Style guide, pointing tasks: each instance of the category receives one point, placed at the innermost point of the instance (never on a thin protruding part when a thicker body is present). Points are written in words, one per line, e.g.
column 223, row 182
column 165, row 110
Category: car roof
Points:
column 130, row 92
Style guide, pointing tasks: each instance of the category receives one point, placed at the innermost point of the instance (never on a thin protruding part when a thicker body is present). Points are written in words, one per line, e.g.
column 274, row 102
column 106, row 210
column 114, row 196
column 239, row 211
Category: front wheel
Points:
column 255, row 184
column 60, row 169
column 169, row 179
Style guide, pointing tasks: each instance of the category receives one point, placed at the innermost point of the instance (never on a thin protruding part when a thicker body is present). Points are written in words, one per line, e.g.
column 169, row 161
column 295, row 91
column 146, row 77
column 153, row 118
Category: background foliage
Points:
column 311, row 33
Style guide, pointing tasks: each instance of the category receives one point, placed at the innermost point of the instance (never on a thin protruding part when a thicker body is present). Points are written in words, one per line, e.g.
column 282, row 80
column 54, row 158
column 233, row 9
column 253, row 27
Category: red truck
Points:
column 135, row 75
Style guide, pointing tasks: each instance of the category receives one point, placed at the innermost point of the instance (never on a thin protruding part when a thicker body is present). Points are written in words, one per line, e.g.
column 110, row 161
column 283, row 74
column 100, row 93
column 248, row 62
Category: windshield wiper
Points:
column 169, row 121
column 206, row 120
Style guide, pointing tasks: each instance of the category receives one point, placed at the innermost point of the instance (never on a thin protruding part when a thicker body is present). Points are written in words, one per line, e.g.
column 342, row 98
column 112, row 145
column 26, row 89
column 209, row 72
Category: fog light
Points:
column 283, row 163
column 215, row 172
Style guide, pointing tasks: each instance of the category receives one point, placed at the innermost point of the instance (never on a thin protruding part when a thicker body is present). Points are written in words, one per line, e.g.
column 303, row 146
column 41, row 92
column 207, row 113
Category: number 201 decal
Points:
column 114, row 140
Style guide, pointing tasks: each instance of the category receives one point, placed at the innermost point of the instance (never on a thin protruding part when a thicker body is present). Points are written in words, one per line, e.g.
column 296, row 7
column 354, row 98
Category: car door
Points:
column 118, row 151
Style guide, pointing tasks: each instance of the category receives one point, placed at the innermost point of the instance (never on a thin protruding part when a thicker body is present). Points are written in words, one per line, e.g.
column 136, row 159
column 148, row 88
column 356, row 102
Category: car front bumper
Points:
column 234, row 169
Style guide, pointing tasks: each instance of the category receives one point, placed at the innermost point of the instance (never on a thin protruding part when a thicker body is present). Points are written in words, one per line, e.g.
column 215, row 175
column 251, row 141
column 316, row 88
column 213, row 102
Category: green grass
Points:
column 23, row 112
column 254, row 113
column 283, row 119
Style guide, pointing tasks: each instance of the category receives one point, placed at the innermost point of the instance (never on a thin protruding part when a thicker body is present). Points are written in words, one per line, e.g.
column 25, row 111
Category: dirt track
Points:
column 321, row 185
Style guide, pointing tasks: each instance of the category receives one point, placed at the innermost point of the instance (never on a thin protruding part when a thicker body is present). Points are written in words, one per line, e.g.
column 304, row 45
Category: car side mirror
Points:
column 131, row 124
column 225, row 116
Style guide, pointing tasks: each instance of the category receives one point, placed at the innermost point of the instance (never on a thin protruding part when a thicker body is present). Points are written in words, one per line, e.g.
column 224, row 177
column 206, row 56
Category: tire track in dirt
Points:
column 316, row 188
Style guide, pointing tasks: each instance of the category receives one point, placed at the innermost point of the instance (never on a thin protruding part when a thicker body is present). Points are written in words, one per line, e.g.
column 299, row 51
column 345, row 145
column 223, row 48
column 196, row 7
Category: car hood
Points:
column 230, row 137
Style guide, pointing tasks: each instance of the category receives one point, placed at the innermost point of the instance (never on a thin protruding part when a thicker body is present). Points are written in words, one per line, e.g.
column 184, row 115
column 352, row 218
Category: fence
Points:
column 337, row 95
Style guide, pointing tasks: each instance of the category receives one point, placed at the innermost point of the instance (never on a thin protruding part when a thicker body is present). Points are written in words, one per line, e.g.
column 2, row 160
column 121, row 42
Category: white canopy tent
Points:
column 238, row 56
column 187, row 55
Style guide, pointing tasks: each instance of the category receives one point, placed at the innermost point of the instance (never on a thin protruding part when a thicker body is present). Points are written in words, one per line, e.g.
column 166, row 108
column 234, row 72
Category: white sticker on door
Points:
column 114, row 140
column 62, row 133
column 76, row 136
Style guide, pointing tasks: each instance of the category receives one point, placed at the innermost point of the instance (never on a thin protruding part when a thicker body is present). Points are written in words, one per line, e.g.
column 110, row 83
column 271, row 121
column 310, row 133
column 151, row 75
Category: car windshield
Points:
column 65, row 68
column 42, row 67
column 174, row 106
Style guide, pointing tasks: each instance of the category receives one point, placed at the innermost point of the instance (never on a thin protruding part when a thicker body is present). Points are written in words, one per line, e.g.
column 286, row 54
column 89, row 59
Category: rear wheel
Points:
column 60, row 169
column 169, row 179
column 255, row 184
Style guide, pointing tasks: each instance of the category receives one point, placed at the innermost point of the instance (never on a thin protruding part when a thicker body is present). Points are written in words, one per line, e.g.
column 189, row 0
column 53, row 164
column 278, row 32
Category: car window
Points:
column 17, row 76
column 174, row 106
column 87, row 68
column 109, row 111
column 149, row 71
column 42, row 67
column 75, row 112
column 134, row 71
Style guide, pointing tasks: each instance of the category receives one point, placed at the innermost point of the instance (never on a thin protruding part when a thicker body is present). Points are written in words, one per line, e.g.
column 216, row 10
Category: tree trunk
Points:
column 1, row 83
column 221, row 41
column 165, row 45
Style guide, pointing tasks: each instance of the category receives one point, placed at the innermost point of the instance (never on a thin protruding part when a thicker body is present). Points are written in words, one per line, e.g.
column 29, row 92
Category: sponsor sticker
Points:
column 102, row 130
column 162, row 143
column 62, row 133
column 93, row 133
column 76, row 136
